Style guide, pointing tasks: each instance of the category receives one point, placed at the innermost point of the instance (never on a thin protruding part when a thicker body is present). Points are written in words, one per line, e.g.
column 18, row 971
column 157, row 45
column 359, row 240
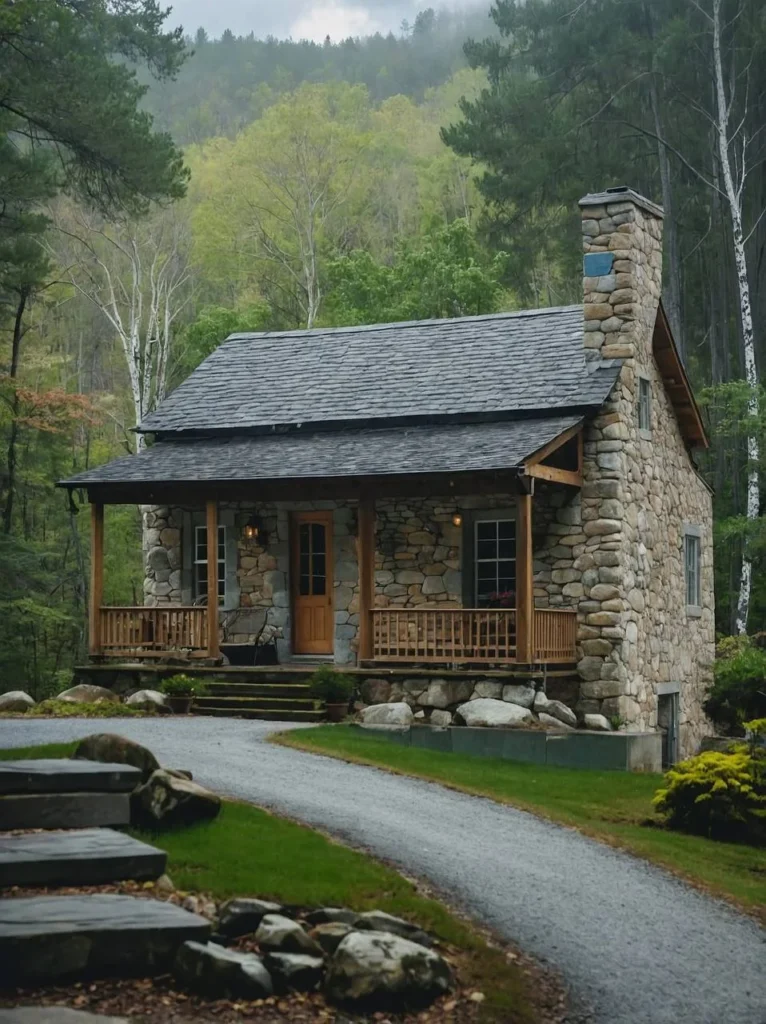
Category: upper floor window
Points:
column 495, row 563
column 644, row 404
column 692, row 568
column 200, row 563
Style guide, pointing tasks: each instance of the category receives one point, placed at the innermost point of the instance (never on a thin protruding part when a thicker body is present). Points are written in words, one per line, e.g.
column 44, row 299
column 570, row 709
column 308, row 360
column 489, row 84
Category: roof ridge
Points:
column 400, row 324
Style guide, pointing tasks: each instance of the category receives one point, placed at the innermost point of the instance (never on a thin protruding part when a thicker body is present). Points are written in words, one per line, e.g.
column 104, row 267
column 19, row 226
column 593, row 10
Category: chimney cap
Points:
column 621, row 193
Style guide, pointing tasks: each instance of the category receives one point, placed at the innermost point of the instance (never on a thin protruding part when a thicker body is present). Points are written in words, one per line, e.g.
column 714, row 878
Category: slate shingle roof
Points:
column 508, row 362
column 454, row 447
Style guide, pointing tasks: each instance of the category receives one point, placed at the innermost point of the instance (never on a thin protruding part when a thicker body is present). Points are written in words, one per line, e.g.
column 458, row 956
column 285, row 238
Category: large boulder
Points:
column 375, row 691
column 148, row 700
column 441, row 719
column 493, row 713
column 553, row 723
column 399, row 714
column 597, row 722
column 165, row 801
column 279, row 934
column 220, row 973
column 325, row 915
column 87, row 693
column 383, row 971
column 524, row 696
column 330, row 935
column 15, row 700
column 442, row 693
column 294, row 972
column 380, row 921
column 241, row 916
column 109, row 748
column 565, row 715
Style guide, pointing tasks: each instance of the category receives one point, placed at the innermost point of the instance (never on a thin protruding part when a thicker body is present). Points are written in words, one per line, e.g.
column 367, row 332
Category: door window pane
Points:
column 200, row 563
column 312, row 559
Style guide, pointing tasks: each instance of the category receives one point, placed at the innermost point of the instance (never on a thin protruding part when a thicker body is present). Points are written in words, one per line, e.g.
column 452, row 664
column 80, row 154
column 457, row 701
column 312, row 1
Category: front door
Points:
column 312, row 583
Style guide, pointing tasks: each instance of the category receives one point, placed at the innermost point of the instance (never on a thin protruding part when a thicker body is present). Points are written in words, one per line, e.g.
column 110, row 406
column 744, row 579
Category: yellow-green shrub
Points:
column 722, row 796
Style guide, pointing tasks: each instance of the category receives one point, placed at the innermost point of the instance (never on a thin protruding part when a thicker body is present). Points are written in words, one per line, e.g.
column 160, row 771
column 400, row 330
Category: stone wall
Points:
column 640, row 490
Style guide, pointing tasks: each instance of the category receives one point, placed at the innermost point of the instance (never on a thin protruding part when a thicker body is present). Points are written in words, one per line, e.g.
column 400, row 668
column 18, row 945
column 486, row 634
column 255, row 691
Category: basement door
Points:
column 312, row 582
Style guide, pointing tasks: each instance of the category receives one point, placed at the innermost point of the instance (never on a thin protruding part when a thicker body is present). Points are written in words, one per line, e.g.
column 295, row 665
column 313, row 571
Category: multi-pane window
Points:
column 200, row 562
column 692, row 570
column 312, row 559
column 644, row 404
column 495, row 563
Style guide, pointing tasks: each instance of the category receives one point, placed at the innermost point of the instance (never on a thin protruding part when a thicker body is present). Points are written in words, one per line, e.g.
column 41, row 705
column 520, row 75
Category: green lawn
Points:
column 614, row 806
column 249, row 852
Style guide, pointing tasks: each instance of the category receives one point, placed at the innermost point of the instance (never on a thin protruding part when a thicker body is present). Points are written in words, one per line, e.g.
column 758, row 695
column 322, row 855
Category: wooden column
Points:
column 213, row 649
column 366, row 560
column 96, row 578
column 525, row 597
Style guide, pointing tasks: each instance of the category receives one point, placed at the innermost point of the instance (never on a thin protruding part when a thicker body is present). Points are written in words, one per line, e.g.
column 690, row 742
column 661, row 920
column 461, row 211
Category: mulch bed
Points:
column 158, row 1001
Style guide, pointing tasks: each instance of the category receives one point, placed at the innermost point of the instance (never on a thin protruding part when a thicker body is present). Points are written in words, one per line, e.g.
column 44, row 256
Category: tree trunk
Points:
column 18, row 334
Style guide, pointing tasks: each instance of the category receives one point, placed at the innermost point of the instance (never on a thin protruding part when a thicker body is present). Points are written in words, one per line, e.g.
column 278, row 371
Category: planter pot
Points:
column 336, row 712
column 179, row 705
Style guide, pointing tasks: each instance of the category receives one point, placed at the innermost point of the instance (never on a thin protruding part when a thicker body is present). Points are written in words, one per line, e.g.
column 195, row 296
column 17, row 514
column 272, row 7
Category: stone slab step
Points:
column 64, row 810
column 291, row 691
column 262, row 714
column 55, row 1015
column 58, row 775
column 93, row 856
column 47, row 939
column 248, row 703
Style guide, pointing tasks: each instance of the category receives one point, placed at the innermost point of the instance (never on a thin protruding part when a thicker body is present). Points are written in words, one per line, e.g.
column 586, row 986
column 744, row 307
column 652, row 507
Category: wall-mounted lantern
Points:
column 457, row 519
column 254, row 531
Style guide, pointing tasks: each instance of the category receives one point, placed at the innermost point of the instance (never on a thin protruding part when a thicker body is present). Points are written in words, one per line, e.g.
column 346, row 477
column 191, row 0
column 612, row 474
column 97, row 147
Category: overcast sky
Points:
column 302, row 19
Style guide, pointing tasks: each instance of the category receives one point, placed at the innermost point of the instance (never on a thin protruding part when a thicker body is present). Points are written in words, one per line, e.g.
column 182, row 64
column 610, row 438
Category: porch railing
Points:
column 555, row 634
column 444, row 635
column 153, row 632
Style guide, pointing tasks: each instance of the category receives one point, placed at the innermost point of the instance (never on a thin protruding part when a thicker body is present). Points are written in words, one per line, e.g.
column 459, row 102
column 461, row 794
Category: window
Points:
column 495, row 563
column 692, row 551
column 200, row 563
column 644, row 405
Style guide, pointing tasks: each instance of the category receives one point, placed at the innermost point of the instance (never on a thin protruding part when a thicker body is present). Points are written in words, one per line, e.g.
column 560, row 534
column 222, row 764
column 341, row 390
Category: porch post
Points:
column 366, row 561
column 96, row 577
column 525, row 598
column 213, row 650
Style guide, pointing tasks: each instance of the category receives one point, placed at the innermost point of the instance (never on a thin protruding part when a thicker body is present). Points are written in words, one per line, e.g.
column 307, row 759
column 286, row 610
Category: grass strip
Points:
column 54, row 750
column 612, row 806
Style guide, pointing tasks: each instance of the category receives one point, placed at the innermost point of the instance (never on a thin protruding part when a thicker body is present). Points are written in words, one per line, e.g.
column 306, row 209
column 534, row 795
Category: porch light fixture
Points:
column 457, row 519
column 254, row 530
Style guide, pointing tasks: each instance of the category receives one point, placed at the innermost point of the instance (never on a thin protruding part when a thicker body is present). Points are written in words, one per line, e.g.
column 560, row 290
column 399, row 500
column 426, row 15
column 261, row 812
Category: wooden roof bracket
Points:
column 535, row 468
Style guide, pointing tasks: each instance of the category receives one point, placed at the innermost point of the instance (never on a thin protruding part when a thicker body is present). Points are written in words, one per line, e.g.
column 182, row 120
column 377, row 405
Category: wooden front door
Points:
column 312, row 583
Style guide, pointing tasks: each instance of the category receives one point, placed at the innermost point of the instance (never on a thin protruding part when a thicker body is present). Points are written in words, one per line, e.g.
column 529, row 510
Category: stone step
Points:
column 263, row 714
column 58, row 775
column 295, row 691
column 48, row 939
column 247, row 703
column 64, row 810
column 93, row 856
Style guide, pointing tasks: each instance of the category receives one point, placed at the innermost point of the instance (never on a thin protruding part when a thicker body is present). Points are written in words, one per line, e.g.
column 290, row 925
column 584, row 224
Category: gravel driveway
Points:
column 635, row 945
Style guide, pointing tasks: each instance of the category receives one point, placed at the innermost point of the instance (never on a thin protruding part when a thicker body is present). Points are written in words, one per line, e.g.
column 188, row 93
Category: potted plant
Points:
column 181, row 691
column 334, row 689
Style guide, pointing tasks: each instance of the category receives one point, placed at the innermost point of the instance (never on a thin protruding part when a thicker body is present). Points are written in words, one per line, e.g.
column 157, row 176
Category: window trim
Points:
column 645, row 404
column 692, row 532
column 221, row 541
column 468, row 546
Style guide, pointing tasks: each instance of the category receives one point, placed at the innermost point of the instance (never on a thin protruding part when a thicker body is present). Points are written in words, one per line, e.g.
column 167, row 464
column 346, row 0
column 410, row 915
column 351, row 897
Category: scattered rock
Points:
column 149, row 700
column 87, row 693
column 399, row 714
column 164, row 885
column 380, row 921
column 242, row 916
column 166, row 802
column 179, row 773
column 420, row 715
column 15, row 700
column 562, row 712
column 330, row 935
column 385, row 972
column 222, row 973
column 112, row 749
column 279, row 934
column 524, row 696
column 326, row 915
column 375, row 691
column 598, row 722
column 540, row 703
column 295, row 972
column 553, row 723
column 489, row 712
column 441, row 719
column 200, row 905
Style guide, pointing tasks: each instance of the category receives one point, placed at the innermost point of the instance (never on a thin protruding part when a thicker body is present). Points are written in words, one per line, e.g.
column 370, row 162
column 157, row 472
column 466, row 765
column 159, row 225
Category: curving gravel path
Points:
column 635, row 945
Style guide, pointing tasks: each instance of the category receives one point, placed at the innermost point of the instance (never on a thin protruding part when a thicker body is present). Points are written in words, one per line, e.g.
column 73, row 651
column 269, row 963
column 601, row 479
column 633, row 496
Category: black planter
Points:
column 243, row 655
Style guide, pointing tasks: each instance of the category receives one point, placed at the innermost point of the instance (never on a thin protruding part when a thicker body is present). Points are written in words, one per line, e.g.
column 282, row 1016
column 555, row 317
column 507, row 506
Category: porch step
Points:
column 288, row 691
column 60, row 775
column 246, row 703
column 93, row 856
column 47, row 939
column 255, row 711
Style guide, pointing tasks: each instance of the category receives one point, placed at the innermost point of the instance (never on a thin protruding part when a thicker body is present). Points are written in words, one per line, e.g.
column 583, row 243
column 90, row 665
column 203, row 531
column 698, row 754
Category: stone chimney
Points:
column 622, row 273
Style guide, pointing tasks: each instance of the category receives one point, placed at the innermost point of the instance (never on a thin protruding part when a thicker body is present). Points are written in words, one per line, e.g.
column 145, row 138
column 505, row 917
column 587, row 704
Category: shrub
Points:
column 73, row 709
column 331, row 686
column 722, row 796
column 182, row 686
column 739, row 690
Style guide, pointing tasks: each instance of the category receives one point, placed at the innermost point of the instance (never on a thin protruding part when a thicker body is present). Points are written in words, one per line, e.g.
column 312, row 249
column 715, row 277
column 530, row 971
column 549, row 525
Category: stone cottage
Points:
column 493, row 491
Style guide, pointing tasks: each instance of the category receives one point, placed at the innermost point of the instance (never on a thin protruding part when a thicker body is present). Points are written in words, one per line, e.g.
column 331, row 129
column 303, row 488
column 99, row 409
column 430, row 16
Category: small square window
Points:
column 692, row 571
column 644, row 405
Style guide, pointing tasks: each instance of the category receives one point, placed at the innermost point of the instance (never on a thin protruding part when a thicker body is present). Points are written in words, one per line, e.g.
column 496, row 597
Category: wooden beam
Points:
column 213, row 649
column 366, row 561
column 555, row 475
column 554, row 445
column 96, row 578
column 525, row 597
